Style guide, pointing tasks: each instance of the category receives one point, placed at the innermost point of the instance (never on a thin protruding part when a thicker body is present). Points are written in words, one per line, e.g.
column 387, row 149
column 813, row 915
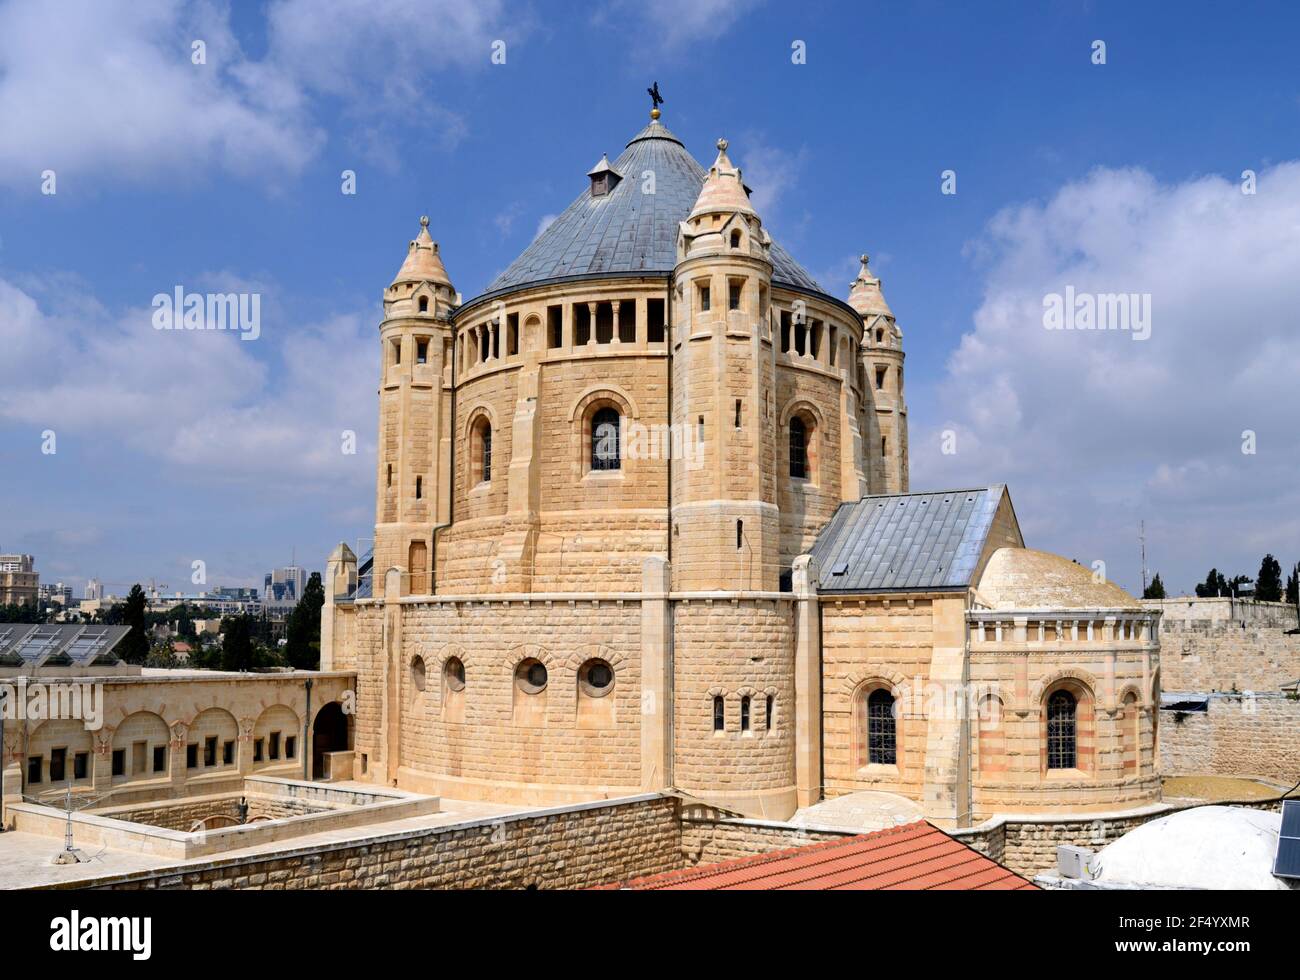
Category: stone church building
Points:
column 643, row 521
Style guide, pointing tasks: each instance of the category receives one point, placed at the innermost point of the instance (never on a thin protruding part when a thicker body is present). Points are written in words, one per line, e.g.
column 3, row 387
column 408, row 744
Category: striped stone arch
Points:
column 743, row 691
column 595, row 651
column 1047, row 681
column 528, row 651
column 604, row 392
column 1130, row 688
column 716, row 691
column 479, row 408
column 445, row 653
column 855, row 681
column 802, row 404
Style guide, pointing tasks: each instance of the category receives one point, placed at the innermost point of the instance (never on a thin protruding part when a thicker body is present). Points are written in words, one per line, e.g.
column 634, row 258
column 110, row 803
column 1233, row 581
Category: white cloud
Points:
column 1095, row 430
column 90, row 88
column 770, row 171
column 93, row 88
column 672, row 24
column 267, row 413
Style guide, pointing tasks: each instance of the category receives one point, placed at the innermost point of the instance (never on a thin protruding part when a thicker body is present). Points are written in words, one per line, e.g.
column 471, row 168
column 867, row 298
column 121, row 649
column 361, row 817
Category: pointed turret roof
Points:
column 865, row 295
column 423, row 264
column 724, row 189
column 633, row 228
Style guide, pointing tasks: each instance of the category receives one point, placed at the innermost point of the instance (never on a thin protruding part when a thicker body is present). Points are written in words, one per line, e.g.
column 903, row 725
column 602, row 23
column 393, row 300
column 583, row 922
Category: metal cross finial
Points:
column 656, row 100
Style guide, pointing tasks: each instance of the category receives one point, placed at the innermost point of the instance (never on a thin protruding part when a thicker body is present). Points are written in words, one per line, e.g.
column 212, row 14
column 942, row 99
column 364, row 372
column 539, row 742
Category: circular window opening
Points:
column 596, row 678
column 530, row 675
column 454, row 671
column 417, row 673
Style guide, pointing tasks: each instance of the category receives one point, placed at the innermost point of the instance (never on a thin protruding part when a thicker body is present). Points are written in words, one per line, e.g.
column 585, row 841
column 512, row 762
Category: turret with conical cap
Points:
column 882, row 361
column 726, row 525
column 414, row 414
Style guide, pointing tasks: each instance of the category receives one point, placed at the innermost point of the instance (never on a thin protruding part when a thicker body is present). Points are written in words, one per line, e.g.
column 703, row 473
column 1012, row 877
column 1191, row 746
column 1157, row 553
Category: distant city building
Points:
column 285, row 585
column 239, row 594
column 94, row 589
column 57, row 592
column 19, row 581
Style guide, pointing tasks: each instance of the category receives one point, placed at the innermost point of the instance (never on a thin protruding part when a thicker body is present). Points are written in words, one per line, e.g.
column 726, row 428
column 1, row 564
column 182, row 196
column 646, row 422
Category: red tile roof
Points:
column 913, row 856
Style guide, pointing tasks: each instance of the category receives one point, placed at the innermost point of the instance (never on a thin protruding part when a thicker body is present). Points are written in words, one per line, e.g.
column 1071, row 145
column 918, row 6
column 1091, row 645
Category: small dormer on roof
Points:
column 604, row 178
column 423, row 263
column 865, row 295
column 724, row 189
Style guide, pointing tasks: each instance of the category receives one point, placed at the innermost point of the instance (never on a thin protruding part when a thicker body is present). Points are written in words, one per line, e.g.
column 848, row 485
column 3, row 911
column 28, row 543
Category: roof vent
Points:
column 604, row 178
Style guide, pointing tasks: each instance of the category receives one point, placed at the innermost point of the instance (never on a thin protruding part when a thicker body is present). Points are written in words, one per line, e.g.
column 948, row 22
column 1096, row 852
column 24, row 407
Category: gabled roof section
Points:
column 906, row 542
column 626, row 231
column 913, row 857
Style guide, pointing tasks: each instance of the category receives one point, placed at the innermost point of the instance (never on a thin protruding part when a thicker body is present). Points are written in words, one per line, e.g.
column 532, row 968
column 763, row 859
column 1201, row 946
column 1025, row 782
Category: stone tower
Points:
column 882, row 363
column 414, row 419
column 725, row 520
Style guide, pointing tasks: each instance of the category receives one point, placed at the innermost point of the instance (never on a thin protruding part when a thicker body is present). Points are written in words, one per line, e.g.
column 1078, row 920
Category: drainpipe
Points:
column 669, row 335
column 306, row 731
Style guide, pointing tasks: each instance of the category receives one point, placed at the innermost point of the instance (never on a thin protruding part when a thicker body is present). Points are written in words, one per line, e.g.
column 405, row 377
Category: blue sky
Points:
column 1117, row 177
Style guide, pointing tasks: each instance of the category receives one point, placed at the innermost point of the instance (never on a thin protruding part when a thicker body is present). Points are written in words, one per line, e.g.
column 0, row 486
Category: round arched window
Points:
column 596, row 678
column 417, row 673
column 530, row 676
column 454, row 671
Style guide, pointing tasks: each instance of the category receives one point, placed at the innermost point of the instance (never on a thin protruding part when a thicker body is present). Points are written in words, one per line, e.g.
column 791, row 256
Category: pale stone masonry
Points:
column 619, row 496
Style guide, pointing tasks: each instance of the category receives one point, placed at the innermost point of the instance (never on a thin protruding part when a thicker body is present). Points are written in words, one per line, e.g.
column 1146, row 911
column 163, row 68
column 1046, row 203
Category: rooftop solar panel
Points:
column 1287, row 864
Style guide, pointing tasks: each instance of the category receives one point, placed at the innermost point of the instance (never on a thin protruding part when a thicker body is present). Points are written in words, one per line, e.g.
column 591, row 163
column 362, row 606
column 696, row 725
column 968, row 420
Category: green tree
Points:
column 1156, row 590
column 135, row 646
column 1268, row 583
column 302, row 636
column 1215, row 584
column 237, row 651
column 162, row 654
column 1293, row 586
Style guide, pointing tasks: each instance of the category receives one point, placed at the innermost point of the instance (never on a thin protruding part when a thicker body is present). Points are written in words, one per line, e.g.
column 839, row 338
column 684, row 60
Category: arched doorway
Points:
column 329, row 733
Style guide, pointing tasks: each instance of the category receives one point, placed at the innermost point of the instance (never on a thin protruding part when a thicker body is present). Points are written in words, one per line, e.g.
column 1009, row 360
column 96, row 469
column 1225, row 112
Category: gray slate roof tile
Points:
column 904, row 542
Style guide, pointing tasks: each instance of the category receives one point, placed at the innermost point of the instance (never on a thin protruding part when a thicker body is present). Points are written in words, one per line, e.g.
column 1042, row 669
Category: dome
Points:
column 1223, row 847
column 625, row 231
column 1021, row 578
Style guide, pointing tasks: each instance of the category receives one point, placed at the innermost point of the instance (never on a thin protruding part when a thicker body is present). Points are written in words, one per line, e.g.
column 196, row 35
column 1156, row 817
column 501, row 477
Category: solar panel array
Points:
column 1287, row 864
column 53, row 645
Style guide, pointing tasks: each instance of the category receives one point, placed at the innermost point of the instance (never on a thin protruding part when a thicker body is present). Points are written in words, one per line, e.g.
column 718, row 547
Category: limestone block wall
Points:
column 576, row 847
column 1222, row 655
column 735, row 649
column 807, row 505
column 1236, row 736
column 872, row 643
column 491, row 739
column 1113, row 680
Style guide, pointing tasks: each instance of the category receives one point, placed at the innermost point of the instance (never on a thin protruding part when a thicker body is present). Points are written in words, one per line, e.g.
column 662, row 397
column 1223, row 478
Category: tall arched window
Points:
column 744, row 713
column 480, row 460
column 882, row 733
column 1061, row 731
column 719, row 714
column 605, row 439
column 798, row 449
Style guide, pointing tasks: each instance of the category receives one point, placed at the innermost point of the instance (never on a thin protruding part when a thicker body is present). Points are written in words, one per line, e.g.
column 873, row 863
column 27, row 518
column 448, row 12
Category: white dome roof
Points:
column 1220, row 847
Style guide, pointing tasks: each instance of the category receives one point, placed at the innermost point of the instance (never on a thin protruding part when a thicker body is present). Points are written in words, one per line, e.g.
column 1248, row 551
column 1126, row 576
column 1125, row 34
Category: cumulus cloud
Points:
column 93, row 88
column 268, row 413
column 675, row 23
column 1096, row 430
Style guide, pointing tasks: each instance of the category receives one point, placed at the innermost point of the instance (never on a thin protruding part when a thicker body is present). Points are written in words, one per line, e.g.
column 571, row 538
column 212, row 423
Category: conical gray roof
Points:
column 626, row 231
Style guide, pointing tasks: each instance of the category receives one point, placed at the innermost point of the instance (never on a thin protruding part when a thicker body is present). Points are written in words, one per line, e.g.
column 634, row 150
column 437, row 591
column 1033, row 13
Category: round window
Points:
column 417, row 673
column 596, row 678
column 530, row 675
column 454, row 671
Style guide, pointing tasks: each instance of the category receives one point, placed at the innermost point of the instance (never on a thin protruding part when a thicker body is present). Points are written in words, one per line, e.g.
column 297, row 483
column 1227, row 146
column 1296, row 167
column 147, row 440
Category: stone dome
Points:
column 1221, row 847
column 1022, row 578
column 627, row 231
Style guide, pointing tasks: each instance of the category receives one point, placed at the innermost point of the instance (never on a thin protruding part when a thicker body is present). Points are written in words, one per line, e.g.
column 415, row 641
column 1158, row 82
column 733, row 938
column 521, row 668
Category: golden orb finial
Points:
column 655, row 113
